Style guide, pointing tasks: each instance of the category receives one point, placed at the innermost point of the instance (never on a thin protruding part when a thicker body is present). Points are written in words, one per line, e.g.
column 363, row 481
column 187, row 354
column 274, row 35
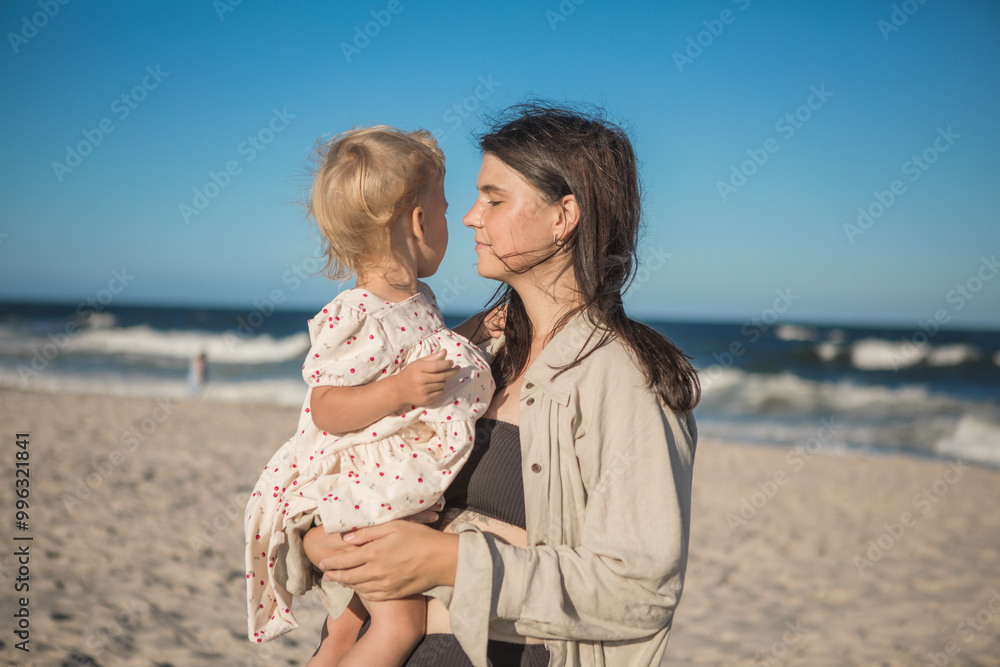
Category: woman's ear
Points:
column 569, row 216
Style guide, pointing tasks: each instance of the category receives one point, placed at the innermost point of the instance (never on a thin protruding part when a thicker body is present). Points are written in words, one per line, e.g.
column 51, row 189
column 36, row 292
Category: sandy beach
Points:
column 810, row 558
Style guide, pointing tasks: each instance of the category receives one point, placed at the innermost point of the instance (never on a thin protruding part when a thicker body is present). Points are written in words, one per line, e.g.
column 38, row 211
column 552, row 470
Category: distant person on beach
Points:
column 197, row 374
column 389, row 416
column 565, row 540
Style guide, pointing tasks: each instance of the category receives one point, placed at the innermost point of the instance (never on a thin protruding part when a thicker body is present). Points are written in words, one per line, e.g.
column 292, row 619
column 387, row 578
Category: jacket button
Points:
column 528, row 385
column 540, row 543
column 536, row 468
column 530, row 401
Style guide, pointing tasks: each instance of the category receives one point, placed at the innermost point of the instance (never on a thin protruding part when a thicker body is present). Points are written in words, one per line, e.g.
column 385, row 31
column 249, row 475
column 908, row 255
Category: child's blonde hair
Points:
column 367, row 177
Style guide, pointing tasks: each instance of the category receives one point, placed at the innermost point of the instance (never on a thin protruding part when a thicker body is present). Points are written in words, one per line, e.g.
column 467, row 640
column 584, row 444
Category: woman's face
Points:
column 509, row 218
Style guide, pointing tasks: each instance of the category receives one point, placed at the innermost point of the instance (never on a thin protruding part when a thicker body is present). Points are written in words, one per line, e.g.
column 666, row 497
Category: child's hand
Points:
column 494, row 321
column 422, row 382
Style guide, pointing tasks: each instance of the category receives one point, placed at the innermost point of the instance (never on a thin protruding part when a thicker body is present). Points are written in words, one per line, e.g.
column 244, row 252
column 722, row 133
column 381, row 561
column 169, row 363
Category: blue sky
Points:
column 833, row 100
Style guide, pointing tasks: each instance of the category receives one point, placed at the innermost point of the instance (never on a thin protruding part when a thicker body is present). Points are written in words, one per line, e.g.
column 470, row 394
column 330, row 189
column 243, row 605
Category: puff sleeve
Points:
column 348, row 348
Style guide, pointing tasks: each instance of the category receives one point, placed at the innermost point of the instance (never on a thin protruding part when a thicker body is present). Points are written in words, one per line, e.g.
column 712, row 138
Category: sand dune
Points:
column 137, row 557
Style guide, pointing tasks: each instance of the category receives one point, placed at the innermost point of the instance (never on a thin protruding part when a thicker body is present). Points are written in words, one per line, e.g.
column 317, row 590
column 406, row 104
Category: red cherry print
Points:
column 421, row 502
column 352, row 370
column 371, row 358
column 419, row 479
column 403, row 328
column 357, row 507
column 316, row 355
column 364, row 295
column 372, row 337
column 325, row 310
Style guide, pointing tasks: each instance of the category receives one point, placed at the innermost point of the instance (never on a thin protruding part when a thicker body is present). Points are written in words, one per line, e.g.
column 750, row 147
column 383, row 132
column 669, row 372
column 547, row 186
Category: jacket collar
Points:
column 561, row 350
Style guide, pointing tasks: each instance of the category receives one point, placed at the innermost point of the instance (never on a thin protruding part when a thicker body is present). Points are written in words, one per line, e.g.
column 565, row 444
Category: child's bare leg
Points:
column 397, row 627
column 339, row 635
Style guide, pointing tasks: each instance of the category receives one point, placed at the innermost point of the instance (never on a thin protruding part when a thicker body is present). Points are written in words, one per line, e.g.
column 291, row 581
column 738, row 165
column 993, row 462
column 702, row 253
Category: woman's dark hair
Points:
column 561, row 151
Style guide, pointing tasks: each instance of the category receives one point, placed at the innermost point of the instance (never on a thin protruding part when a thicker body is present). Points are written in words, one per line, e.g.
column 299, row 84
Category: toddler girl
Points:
column 393, row 396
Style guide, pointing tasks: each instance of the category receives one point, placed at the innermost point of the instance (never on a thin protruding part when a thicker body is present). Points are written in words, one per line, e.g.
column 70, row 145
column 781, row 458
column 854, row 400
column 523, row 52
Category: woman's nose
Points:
column 472, row 218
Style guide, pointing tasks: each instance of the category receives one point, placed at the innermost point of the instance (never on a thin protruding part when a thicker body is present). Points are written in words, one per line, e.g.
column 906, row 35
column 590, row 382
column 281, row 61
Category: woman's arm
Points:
column 343, row 409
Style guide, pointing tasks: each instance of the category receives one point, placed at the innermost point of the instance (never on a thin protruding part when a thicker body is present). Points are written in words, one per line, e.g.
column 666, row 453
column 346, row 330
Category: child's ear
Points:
column 417, row 224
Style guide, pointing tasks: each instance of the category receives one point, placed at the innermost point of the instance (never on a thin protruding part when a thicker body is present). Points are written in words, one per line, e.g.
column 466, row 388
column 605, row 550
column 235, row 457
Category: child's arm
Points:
column 344, row 409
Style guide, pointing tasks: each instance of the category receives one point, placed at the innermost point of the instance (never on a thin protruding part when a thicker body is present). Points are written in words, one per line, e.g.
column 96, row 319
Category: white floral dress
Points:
column 391, row 469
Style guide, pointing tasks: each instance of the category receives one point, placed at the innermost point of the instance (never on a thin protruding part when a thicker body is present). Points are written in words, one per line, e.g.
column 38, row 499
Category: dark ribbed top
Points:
column 490, row 481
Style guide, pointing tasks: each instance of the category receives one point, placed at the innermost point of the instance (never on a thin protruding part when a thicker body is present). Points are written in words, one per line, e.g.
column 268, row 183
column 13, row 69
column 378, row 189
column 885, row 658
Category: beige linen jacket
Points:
column 607, row 484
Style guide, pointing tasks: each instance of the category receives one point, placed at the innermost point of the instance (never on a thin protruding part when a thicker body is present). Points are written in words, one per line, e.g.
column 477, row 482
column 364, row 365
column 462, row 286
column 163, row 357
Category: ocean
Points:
column 923, row 391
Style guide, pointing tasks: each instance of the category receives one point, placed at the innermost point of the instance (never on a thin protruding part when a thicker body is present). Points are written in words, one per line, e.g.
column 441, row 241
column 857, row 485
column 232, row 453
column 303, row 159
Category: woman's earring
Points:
column 555, row 239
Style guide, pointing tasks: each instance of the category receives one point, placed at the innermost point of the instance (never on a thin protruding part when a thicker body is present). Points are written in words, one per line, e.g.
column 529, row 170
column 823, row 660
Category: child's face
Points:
column 435, row 224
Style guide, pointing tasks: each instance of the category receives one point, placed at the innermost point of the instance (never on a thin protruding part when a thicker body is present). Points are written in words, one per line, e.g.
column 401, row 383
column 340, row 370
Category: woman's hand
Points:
column 391, row 561
column 319, row 545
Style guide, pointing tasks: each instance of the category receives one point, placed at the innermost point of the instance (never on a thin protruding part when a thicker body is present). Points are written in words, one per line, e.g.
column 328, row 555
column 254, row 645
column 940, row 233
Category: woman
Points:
column 602, row 407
